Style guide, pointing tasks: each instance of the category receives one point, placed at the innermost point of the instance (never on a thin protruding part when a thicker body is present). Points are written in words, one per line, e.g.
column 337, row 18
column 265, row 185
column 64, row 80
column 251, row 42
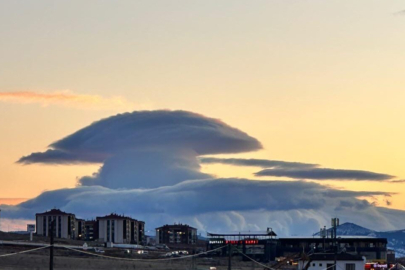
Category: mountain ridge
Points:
column 395, row 238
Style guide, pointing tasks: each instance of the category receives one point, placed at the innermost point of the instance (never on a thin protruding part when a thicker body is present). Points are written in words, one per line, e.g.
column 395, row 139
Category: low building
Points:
column 322, row 261
column 176, row 234
column 266, row 247
column 64, row 226
column 120, row 229
column 370, row 247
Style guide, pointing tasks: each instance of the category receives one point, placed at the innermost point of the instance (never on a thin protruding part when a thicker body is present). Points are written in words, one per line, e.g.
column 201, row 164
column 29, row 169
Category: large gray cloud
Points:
column 145, row 169
column 326, row 174
column 264, row 163
column 151, row 171
column 216, row 204
column 146, row 148
column 147, row 130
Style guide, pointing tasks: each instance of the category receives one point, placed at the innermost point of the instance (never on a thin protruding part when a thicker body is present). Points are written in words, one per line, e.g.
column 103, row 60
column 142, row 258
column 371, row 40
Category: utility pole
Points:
column 335, row 224
column 229, row 256
column 52, row 229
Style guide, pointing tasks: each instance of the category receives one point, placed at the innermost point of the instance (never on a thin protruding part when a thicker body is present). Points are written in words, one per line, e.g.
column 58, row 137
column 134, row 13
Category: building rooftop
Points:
column 179, row 225
column 331, row 257
column 268, row 233
column 115, row 216
column 54, row 212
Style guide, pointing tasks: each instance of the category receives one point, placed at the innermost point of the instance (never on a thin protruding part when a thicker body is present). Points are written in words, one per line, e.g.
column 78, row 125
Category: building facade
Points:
column 91, row 230
column 64, row 226
column 121, row 229
column 322, row 261
column 80, row 228
column 176, row 234
column 266, row 248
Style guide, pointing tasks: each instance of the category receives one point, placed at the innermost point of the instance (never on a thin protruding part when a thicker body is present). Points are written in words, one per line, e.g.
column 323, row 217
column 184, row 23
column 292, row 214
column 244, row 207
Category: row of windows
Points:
column 349, row 266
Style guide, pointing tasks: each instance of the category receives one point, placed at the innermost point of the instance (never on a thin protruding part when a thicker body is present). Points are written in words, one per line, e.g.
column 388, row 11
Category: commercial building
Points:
column 176, row 234
column 120, row 229
column 370, row 247
column 265, row 247
column 64, row 226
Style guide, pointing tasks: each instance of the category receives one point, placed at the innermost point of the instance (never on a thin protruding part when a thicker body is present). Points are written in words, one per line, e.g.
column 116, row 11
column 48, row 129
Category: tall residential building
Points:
column 65, row 224
column 176, row 234
column 120, row 229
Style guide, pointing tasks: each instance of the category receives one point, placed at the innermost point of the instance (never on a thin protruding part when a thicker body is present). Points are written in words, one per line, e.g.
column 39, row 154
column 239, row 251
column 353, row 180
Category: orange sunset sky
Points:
column 314, row 81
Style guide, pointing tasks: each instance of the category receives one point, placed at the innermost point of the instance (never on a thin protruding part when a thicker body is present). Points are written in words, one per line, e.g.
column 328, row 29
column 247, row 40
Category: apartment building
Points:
column 120, row 229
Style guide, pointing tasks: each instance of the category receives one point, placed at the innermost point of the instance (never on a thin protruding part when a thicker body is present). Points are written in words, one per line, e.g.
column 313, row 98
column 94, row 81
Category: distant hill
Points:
column 396, row 239
column 351, row 229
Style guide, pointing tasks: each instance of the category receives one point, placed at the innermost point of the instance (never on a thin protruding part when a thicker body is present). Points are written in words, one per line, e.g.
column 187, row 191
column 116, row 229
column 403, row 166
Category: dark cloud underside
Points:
column 264, row 163
column 326, row 174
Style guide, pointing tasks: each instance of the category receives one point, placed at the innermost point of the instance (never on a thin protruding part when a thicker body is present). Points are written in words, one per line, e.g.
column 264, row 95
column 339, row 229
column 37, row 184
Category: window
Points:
column 59, row 226
column 124, row 229
column 350, row 266
column 113, row 231
column 44, row 225
column 330, row 266
column 320, row 265
column 108, row 231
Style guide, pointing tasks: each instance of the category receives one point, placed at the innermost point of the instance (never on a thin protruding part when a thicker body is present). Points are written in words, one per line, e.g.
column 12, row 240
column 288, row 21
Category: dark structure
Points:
column 81, row 229
column 91, row 231
column 261, row 246
column 371, row 248
column 265, row 247
column 176, row 234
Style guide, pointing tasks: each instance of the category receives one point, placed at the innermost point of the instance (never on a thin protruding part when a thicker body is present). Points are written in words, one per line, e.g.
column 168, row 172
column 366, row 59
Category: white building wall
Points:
column 322, row 265
column 118, row 231
column 102, row 230
column 63, row 225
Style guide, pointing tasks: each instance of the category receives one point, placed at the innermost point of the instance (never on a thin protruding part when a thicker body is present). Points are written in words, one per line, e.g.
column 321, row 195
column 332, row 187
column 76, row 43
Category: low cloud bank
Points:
column 216, row 204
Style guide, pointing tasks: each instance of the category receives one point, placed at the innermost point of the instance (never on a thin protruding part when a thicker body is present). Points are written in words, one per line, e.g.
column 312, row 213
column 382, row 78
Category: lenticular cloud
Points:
column 146, row 149
column 151, row 170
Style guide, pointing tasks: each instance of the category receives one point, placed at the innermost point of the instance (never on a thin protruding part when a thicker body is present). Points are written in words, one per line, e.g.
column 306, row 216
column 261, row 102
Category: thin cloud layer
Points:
column 326, row 174
column 214, row 204
column 66, row 98
column 397, row 181
column 146, row 148
column 263, row 163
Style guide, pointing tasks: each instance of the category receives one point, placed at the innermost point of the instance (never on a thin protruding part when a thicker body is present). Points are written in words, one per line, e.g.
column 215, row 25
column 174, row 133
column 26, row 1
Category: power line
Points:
column 268, row 267
column 145, row 260
column 25, row 251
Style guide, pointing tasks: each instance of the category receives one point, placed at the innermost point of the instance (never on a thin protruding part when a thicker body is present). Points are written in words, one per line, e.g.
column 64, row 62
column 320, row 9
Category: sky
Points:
column 315, row 82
